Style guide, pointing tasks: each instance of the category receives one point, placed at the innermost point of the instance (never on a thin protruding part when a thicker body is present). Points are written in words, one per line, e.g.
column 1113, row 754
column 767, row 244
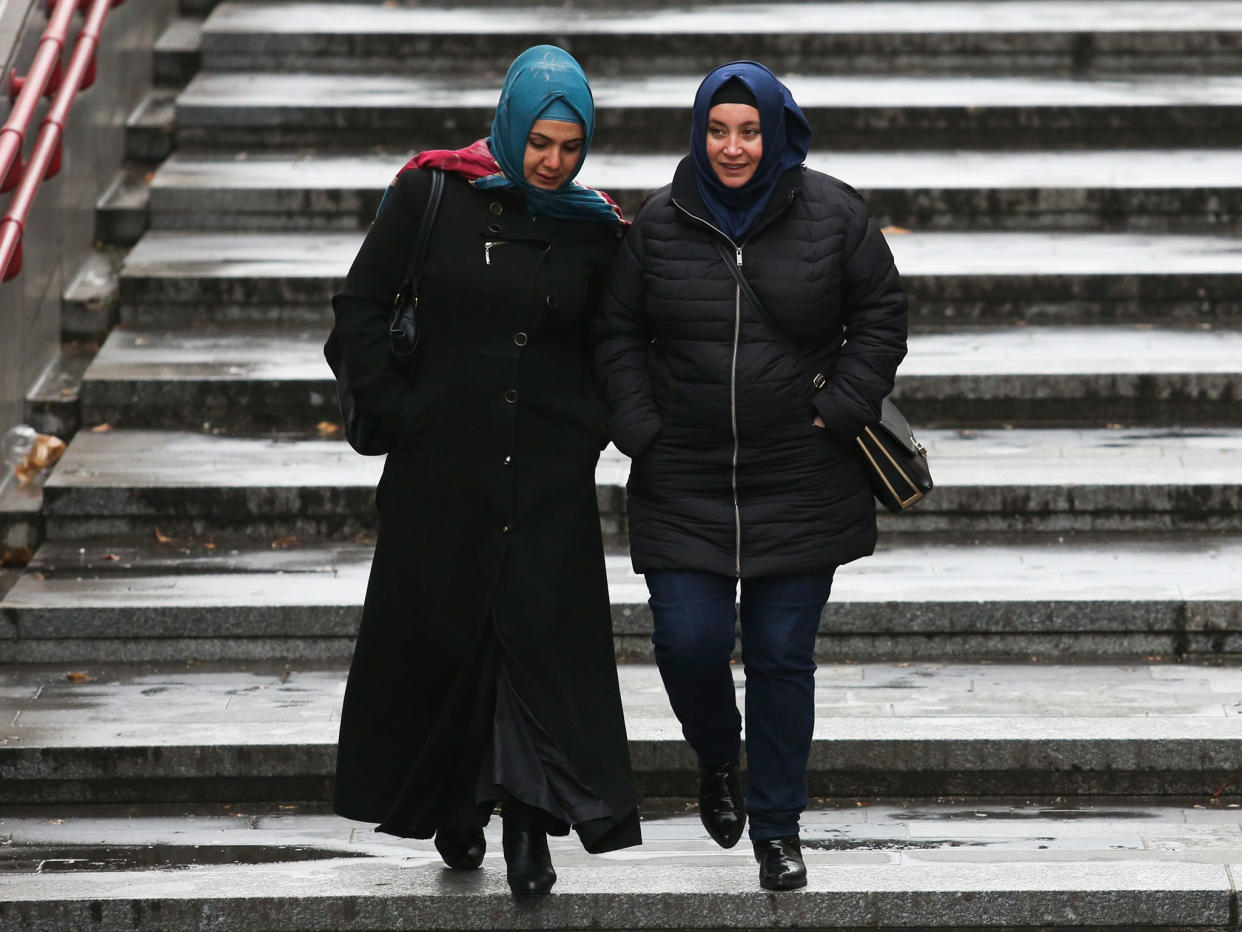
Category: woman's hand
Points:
column 819, row 422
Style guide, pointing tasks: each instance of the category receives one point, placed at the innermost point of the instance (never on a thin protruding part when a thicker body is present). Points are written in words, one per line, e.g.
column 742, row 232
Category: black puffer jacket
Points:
column 729, row 473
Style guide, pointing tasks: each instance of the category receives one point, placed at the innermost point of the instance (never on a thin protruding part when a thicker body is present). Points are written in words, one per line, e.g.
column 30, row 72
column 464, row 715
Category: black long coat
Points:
column 485, row 662
column 729, row 475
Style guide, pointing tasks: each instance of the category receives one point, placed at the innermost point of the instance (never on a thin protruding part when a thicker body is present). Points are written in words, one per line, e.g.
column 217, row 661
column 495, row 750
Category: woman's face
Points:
column 734, row 145
column 553, row 148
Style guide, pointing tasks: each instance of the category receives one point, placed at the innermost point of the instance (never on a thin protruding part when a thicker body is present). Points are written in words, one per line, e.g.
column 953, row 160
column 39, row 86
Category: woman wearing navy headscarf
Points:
column 743, row 467
column 484, row 670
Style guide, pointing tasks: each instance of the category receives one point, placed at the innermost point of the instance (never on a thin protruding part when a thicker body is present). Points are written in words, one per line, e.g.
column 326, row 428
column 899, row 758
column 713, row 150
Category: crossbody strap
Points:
column 819, row 380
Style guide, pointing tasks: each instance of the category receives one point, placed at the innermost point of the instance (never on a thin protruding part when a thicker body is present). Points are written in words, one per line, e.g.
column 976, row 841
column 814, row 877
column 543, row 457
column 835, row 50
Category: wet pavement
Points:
column 1129, row 863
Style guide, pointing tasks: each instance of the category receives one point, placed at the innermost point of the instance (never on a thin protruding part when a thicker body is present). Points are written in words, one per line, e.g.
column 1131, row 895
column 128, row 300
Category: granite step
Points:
column 174, row 279
column 177, row 52
column 1067, row 598
column 252, row 379
column 254, row 110
column 246, row 379
column 1000, row 481
column 214, row 733
column 1005, row 37
column 969, row 865
column 1149, row 191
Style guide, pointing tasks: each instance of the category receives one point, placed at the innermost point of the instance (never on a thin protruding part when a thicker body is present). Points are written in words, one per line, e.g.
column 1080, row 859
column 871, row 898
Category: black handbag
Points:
column 895, row 462
column 363, row 433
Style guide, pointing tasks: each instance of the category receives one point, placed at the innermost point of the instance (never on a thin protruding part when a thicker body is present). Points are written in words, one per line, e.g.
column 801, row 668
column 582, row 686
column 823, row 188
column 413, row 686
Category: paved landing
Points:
column 979, row 865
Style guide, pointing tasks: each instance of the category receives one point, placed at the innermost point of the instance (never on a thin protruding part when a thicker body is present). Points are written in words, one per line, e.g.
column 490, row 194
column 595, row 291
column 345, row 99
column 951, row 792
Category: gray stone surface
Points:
column 1181, row 190
column 173, row 278
column 88, row 307
column 212, row 599
column 965, row 867
column 837, row 38
column 249, row 379
column 268, row 731
column 253, row 109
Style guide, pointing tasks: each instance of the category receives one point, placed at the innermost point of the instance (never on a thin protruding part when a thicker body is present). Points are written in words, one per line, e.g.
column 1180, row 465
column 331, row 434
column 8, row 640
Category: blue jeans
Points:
column 694, row 621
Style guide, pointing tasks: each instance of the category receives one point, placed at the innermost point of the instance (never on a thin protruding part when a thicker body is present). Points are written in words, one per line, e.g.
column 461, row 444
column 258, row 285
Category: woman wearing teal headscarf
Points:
column 484, row 671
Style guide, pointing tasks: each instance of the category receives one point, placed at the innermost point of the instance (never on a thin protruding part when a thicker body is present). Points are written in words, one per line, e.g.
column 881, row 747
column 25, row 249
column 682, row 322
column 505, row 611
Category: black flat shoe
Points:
column 527, row 860
column 780, row 863
column 722, row 808
column 461, row 848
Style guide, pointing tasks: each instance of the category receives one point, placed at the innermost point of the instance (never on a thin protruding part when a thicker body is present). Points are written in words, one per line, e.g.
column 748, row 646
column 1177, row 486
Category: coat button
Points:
column 505, row 529
column 495, row 208
column 550, row 300
column 511, row 396
column 520, row 338
column 508, row 460
column 493, row 228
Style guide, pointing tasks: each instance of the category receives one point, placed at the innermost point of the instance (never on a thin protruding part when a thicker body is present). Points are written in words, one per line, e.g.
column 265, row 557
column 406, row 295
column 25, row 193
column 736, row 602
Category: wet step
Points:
column 202, row 733
column 974, row 864
column 135, row 481
column 211, row 598
column 242, row 110
column 1157, row 191
column 174, row 279
column 248, row 379
column 1003, row 37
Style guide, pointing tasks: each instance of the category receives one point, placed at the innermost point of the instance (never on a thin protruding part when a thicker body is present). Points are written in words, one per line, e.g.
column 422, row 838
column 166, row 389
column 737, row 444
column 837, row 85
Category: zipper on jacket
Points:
column 737, row 333
column 487, row 249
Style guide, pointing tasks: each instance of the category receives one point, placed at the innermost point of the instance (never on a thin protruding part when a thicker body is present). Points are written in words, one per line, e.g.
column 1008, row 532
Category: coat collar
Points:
column 685, row 195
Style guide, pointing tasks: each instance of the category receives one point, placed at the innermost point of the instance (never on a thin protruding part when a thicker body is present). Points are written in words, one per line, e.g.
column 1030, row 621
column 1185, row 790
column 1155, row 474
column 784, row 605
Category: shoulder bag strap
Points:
column 819, row 380
column 409, row 284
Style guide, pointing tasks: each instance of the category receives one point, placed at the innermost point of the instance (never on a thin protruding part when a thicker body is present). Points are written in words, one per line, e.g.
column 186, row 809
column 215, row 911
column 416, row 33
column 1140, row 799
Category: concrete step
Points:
column 148, row 130
column 253, row 110
column 52, row 404
column 971, row 865
column 171, row 279
column 218, row 734
column 177, row 52
column 1073, row 598
column 1005, row 37
column 248, row 379
column 1153, row 191
column 1001, row 481
column 122, row 212
column 244, row 379
column 88, row 308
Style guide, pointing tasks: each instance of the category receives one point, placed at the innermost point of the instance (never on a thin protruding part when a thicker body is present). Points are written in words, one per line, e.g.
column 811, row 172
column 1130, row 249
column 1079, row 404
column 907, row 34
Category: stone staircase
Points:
column 1052, row 636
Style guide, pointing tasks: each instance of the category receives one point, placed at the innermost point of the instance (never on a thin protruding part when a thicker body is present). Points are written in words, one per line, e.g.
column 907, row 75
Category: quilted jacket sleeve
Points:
column 875, row 319
column 621, row 345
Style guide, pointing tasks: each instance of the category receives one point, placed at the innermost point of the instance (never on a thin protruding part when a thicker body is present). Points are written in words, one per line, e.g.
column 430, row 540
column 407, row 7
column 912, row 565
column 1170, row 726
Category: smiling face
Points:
column 553, row 148
column 734, row 144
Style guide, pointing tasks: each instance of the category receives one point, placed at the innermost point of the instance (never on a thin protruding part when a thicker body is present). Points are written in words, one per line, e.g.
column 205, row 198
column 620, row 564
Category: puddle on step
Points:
column 101, row 858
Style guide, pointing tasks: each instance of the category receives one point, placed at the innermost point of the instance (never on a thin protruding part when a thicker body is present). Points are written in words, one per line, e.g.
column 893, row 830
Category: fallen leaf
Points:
column 161, row 538
column 209, row 545
column 328, row 429
column 101, row 428
column 16, row 556
column 44, row 453
column 54, row 822
column 109, row 556
column 141, row 341
column 284, row 543
column 79, row 677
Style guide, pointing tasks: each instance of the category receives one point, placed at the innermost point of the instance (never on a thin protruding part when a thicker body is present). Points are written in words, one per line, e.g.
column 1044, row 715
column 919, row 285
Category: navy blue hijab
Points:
column 786, row 140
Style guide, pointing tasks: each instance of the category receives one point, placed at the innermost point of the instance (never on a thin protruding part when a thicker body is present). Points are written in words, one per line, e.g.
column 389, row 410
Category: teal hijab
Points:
column 544, row 82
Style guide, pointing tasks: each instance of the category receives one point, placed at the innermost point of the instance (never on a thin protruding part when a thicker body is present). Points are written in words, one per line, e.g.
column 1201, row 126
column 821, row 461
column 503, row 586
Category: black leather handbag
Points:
column 895, row 462
column 364, row 434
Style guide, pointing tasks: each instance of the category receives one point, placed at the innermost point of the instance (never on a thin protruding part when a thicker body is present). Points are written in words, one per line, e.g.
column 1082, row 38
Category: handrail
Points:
column 44, row 77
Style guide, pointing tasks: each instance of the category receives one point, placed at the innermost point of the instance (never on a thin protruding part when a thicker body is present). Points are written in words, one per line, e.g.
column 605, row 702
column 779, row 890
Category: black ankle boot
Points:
column 528, row 862
column 722, row 808
column 780, row 863
column 461, row 848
